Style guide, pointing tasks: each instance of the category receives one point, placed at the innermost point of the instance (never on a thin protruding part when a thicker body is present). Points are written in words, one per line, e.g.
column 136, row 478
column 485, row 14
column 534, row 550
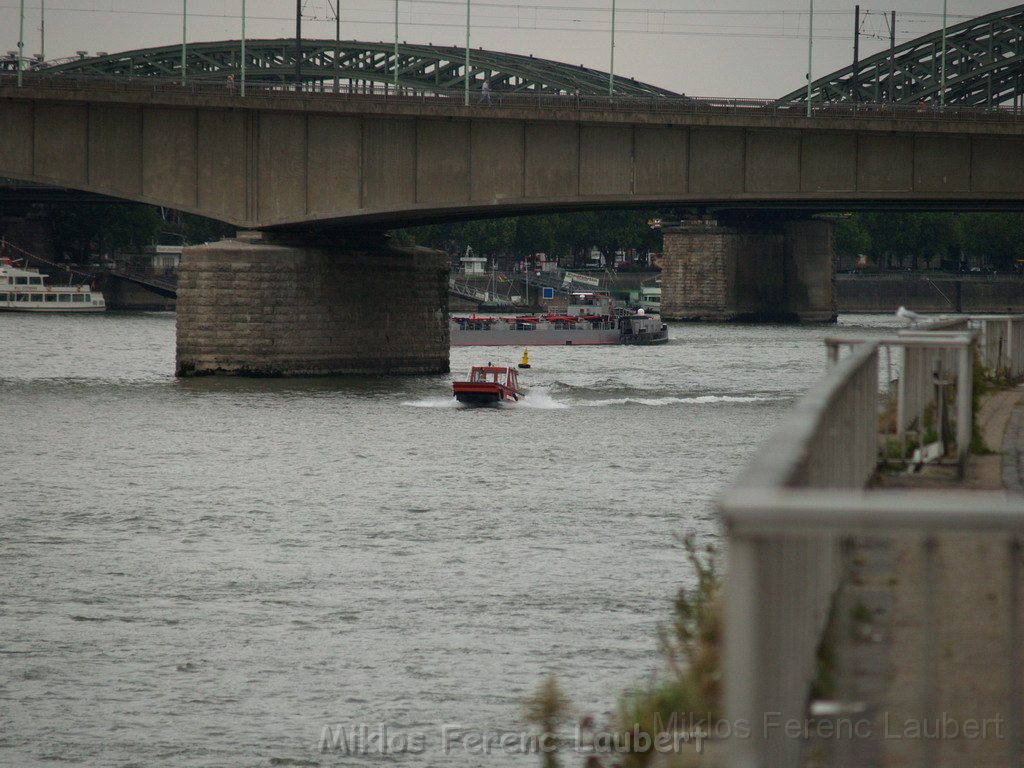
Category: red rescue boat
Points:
column 489, row 384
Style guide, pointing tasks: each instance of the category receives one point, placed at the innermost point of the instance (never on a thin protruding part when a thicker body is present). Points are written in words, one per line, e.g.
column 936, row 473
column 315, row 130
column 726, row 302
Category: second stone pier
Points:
column 780, row 271
column 258, row 307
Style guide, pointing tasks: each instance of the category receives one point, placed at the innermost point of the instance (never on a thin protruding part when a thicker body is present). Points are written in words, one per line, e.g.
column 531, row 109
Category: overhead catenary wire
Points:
column 544, row 18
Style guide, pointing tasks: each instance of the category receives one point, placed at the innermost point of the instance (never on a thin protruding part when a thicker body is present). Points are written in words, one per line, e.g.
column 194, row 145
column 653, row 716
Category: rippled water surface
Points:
column 207, row 572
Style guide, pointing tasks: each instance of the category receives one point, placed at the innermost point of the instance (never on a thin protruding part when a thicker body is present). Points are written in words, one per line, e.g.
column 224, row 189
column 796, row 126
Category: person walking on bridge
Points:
column 485, row 92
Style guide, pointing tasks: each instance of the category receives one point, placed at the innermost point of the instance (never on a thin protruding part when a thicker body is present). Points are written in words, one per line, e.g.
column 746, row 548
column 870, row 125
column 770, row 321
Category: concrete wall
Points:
column 887, row 293
column 781, row 273
column 260, row 308
column 120, row 294
column 262, row 161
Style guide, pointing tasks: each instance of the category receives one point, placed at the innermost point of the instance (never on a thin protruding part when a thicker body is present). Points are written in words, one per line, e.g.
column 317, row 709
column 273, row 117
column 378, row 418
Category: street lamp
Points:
column 611, row 68
column 337, row 44
column 21, row 40
column 396, row 47
column 942, row 85
column 184, row 16
column 243, row 50
column 810, row 56
column 465, row 94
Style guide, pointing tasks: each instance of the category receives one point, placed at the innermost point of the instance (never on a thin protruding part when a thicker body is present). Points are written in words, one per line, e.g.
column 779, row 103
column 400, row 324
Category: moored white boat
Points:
column 26, row 290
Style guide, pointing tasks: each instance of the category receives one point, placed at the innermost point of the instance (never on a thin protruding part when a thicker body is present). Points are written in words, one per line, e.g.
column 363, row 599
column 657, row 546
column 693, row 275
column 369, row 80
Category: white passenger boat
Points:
column 25, row 290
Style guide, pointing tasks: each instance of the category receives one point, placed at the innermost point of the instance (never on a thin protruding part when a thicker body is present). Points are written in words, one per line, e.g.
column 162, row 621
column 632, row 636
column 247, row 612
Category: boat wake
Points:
column 434, row 402
column 657, row 401
column 540, row 399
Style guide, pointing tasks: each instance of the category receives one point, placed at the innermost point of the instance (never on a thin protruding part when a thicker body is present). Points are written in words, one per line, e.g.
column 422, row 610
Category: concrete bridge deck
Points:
column 299, row 160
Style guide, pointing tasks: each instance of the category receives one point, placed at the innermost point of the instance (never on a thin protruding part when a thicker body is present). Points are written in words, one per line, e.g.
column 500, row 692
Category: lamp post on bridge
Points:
column 21, row 39
column 810, row 56
column 243, row 51
column 184, row 27
column 465, row 93
column 337, row 44
column 611, row 68
column 942, row 66
column 396, row 47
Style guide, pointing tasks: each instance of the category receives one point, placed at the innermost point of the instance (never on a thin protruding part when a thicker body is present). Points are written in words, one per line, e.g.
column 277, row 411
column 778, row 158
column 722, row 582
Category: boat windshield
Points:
column 496, row 375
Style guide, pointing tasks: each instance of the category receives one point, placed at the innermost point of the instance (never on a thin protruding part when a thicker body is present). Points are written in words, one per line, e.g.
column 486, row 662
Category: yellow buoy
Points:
column 525, row 362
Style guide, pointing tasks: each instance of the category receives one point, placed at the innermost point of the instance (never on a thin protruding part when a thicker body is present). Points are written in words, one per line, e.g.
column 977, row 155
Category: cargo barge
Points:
column 590, row 319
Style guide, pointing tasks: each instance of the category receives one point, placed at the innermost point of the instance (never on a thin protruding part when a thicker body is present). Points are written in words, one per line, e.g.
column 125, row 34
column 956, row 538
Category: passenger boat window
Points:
column 21, row 280
column 51, row 297
column 88, row 297
column 65, row 297
column 20, row 296
column 35, row 281
column 37, row 297
column 3, row 297
column 77, row 297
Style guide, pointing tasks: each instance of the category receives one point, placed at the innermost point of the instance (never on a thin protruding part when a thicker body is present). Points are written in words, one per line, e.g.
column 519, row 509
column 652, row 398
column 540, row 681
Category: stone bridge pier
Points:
column 776, row 272
column 259, row 305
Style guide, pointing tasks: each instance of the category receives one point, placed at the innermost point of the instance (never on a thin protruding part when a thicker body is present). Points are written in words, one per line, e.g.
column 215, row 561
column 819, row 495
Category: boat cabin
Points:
column 493, row 374
column 589, row 304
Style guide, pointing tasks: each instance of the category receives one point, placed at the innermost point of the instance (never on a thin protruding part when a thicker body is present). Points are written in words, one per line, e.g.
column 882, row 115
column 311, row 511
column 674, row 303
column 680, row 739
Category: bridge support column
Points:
column 810, row 270
column 258, row 307
column 770, row 273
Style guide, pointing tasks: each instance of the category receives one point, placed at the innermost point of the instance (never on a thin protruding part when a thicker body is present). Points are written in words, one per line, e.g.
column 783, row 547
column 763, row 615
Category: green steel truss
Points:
column 984, row 68
column 355, row 65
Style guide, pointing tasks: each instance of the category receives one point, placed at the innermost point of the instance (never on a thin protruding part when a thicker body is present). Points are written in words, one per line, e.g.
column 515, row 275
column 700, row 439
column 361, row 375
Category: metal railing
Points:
column 927, row 389
column 794, row 512
column 784, row 570
column 1001, row 345
column 384, row 93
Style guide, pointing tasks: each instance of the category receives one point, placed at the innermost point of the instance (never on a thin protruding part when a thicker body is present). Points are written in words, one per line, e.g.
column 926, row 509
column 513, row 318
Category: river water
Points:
column 209, row 572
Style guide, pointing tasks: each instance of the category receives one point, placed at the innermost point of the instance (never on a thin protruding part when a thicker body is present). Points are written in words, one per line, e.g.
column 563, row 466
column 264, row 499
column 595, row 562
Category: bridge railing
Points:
column 1001, row 345
column 354, row 91
column 925, row 411
column 792, row 517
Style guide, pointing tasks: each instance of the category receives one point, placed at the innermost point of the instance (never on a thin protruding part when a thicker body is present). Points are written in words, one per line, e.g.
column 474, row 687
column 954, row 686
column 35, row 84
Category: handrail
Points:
column 388, row 93
column 791, row 514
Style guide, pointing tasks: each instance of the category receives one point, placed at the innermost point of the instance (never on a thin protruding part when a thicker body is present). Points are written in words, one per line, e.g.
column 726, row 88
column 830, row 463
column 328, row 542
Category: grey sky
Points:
column 742, row 48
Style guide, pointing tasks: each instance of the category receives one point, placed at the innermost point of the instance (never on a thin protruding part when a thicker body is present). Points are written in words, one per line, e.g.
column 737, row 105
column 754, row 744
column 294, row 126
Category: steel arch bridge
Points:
column 984, row 68
column 354, row 65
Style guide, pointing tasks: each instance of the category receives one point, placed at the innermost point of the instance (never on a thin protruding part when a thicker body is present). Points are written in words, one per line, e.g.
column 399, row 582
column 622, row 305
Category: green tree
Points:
column 993, row 239
column 851, row 238
column 80, row 229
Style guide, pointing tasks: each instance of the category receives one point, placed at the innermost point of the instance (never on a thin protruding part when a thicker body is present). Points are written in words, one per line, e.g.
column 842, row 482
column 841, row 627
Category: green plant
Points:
column 980, row 387
column 546, row 710
column 861, row 613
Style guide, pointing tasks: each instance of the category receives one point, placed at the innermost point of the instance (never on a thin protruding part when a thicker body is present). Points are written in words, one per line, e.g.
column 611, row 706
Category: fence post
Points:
column 742, row 690
column 964, row 407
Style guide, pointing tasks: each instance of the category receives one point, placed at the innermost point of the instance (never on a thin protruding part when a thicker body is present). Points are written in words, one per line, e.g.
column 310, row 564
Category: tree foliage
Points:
column 570, row 235
column 932, row 240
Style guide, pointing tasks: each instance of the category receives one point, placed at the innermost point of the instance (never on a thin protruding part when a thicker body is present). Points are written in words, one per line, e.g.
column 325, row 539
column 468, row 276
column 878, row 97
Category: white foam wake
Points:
column 657, row 401
column 434, row 402
column 540, row 399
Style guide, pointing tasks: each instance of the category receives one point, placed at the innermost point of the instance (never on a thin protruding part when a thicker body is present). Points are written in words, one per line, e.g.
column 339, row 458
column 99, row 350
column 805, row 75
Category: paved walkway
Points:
column 882, row 636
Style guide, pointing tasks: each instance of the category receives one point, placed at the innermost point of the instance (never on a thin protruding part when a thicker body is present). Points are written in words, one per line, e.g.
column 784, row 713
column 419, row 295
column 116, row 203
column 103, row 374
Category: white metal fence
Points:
column 792, row 513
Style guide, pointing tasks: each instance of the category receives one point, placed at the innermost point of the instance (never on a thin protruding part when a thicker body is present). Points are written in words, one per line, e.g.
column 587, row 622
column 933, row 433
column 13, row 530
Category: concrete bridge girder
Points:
column 276, row 163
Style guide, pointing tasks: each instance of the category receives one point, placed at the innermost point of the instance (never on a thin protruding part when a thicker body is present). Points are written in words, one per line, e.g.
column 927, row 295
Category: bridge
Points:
column 316, row 164
column 983, row 68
